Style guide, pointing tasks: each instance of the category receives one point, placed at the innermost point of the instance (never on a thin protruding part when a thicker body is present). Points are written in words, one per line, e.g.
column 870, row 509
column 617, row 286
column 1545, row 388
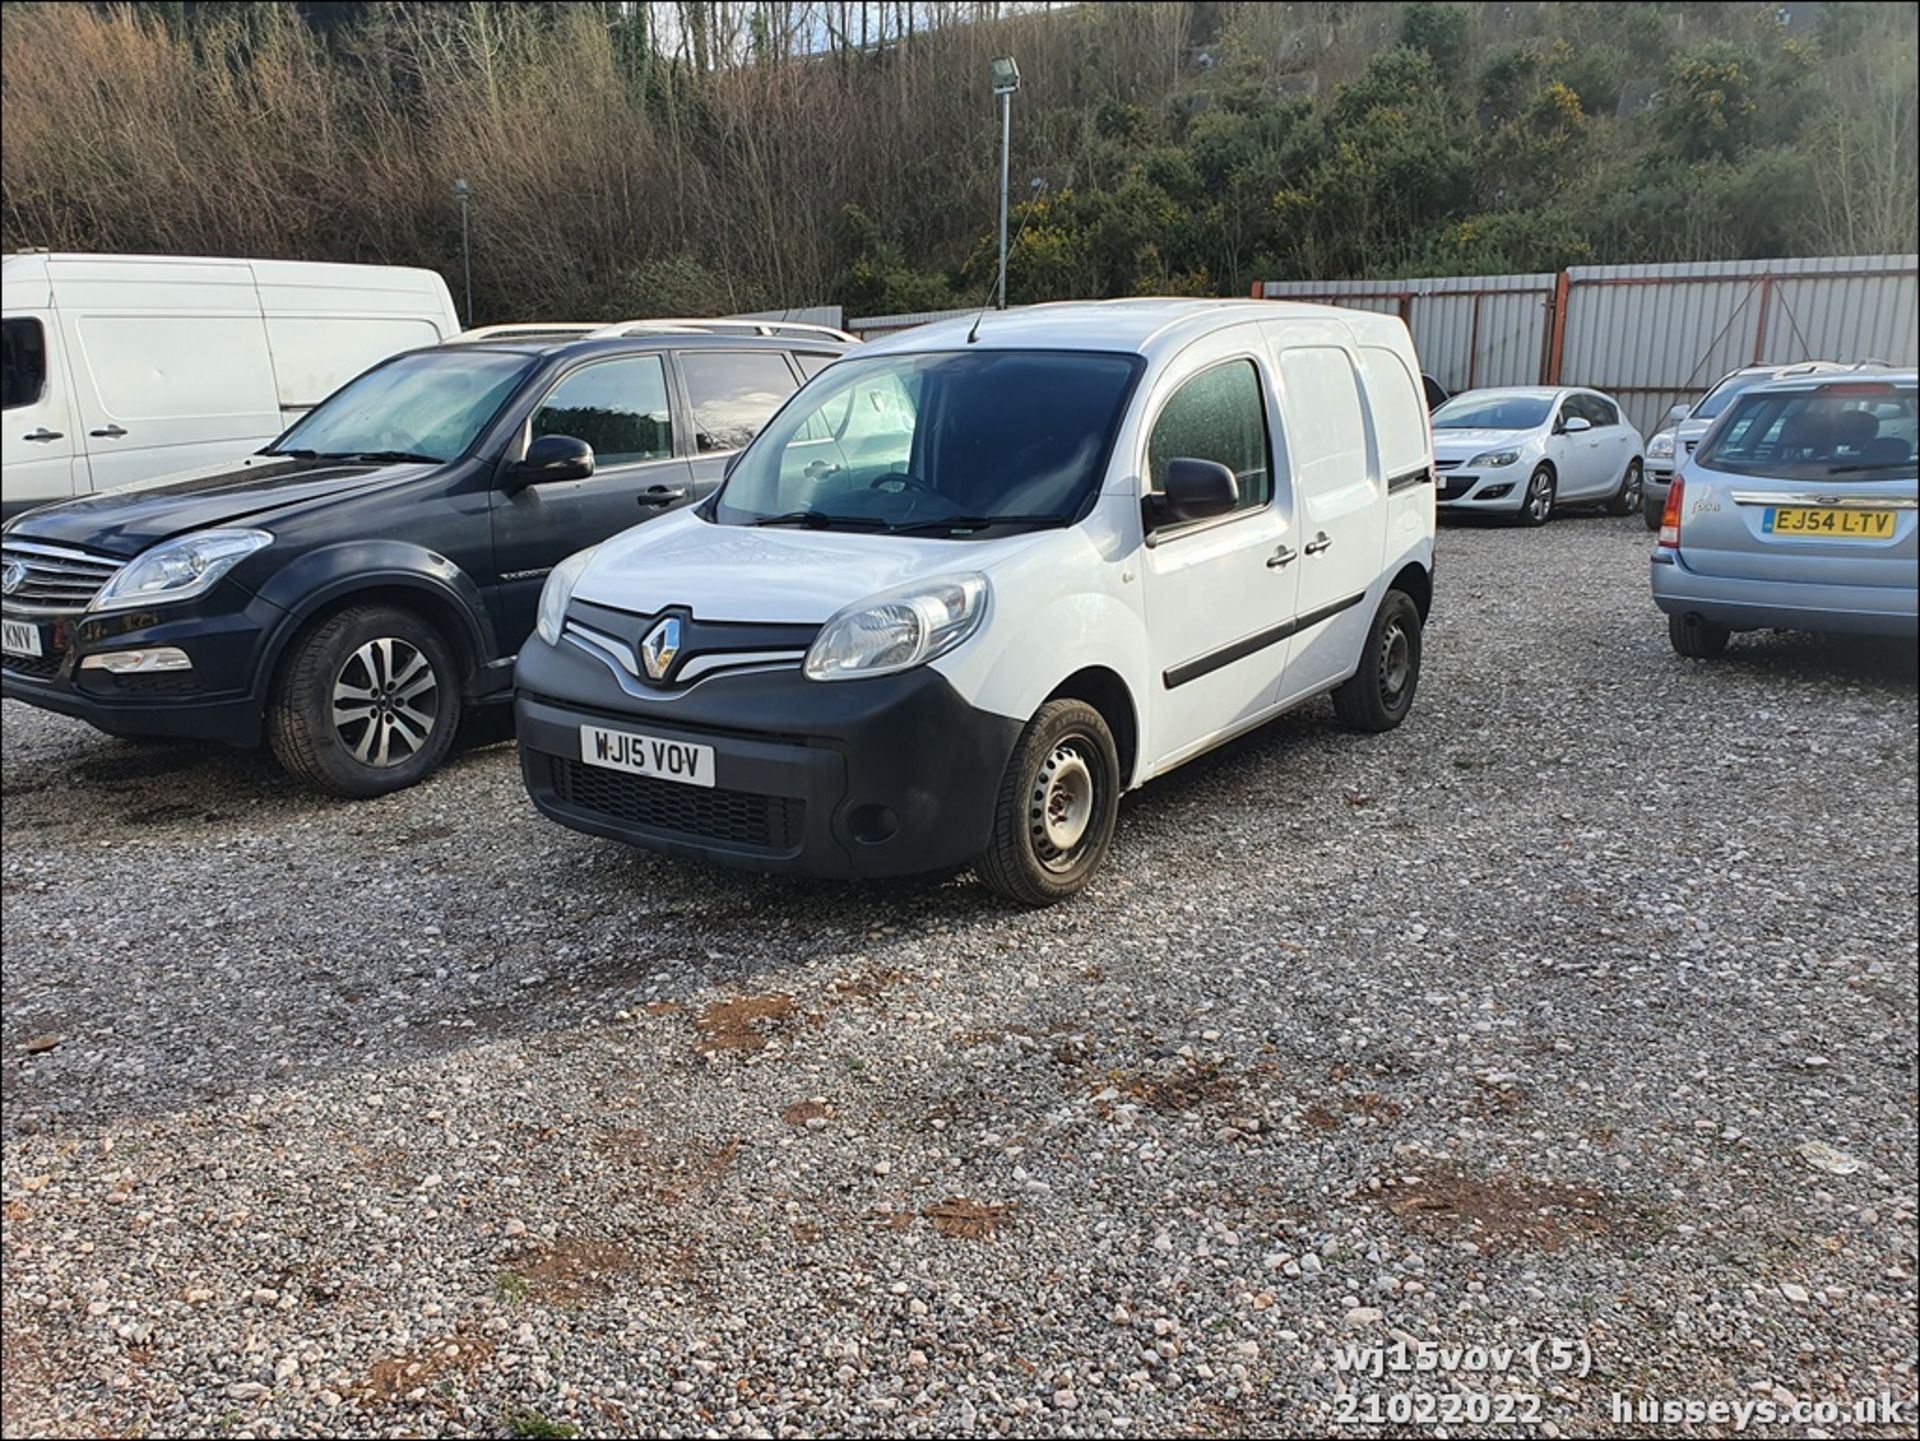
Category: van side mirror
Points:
column 1195, row 490
column 553, row 457
column 1574, row 424
column 1678, row 413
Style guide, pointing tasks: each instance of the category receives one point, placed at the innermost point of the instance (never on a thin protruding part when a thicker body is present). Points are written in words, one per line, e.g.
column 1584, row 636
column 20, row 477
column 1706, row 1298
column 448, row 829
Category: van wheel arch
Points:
column 1417, row 581
column 1106, row 692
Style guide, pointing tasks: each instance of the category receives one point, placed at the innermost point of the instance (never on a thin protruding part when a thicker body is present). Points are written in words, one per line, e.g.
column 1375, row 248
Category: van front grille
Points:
column 736, row 818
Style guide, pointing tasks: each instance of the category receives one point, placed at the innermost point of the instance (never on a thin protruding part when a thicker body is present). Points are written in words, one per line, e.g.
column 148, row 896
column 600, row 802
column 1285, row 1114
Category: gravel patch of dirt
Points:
column 1583, row 1006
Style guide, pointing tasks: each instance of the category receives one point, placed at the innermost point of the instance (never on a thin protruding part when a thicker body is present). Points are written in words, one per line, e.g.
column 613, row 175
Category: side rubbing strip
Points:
column 1423, row 476
column 1213, row 660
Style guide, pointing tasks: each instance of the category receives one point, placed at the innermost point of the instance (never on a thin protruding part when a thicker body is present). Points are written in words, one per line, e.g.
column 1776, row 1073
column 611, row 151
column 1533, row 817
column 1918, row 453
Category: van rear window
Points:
column 25, row 370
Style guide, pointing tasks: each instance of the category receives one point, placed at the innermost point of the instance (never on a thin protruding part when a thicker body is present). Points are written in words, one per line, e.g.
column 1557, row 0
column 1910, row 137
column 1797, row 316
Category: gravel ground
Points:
column 1582, row 1007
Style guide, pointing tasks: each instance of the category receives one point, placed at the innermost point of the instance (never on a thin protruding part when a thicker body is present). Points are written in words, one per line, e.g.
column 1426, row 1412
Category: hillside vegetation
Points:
column 631, row 159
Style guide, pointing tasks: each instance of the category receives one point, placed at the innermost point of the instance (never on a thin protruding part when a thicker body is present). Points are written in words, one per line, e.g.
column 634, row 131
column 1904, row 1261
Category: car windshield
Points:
column 1723, row 394
column 950, row 444
column 1866, row 432
column 1493, row 412
column 430, row 405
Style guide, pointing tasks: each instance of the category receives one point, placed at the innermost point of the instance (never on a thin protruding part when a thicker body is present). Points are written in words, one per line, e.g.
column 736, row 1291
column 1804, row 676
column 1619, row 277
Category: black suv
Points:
column 347, row 591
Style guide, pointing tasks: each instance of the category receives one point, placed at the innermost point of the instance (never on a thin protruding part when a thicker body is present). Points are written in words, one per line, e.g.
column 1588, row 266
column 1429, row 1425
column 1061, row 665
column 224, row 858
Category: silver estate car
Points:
column 1798, row 511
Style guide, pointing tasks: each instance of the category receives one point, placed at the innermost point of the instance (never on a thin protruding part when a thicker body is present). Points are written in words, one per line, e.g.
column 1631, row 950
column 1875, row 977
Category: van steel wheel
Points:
column 1626, row 500
column 368, row 702
column 1536, row 507
column 1378, row 696
column 1053, row 823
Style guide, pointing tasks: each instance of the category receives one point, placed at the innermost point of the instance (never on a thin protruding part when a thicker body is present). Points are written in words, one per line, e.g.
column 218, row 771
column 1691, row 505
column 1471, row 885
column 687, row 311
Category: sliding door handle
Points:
column 1320, row 542
column 111, row 432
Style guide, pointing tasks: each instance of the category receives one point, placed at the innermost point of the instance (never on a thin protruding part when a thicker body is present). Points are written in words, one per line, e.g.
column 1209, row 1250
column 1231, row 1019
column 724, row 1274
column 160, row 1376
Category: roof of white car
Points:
column 1130, row 326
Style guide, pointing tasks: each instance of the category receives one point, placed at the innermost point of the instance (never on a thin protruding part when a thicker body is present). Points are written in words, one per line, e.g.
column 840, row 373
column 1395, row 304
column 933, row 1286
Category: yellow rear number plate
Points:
column 1829, row 524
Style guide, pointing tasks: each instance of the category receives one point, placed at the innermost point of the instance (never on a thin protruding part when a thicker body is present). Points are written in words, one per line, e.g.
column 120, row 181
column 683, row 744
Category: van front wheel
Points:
column 1378, row 696
column 1053, row 822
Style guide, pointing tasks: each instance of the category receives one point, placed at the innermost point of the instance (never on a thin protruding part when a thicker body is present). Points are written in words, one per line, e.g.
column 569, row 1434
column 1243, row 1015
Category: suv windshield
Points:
column 1492, row 412
column 430, row 405
column 1863, row 431
column 946, row 444
column 1722, row 394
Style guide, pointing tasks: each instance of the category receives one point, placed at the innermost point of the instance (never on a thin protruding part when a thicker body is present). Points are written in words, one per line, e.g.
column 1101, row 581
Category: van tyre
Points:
column 1626, row 500
column 1536, row 506
column 1053, row 821
column 367, row 702
column 1378, row 696
column 1695, row 639
column 1651, row 510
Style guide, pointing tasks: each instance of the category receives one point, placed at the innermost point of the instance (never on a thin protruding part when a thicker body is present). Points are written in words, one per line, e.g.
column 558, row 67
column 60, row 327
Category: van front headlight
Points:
column 1661, row 446
column 179, row 569
column 557, row 594
column 898, row 629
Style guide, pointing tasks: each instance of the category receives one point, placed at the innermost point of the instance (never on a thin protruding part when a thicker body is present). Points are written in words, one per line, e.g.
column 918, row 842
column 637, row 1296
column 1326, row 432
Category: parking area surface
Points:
column 1582, row 1008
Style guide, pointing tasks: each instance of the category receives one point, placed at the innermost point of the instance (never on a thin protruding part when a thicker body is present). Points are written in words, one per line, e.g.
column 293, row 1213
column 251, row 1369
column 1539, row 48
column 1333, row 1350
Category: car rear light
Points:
column 1670, row 517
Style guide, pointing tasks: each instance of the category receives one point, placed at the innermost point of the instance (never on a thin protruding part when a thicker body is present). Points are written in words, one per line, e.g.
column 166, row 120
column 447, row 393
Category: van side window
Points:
column 1399, row 412
column 25, row 373
column 1217, row 415
column 619, row 407
column 734, row 393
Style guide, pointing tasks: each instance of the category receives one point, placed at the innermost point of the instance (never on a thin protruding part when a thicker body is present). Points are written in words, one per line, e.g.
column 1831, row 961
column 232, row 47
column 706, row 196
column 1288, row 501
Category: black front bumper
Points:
column 226, row 635
column 890, row 776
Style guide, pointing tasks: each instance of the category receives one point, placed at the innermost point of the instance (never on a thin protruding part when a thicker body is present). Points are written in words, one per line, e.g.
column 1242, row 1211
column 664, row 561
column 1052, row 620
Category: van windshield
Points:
column 1493, row 412
column 949, row 444
column 430, row 405
column 1866, row 432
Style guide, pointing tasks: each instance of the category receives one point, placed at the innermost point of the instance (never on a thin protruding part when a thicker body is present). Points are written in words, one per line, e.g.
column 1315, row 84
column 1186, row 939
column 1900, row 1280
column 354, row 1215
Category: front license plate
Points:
column 1829, row 524
column 640, row 755
column 19, row 637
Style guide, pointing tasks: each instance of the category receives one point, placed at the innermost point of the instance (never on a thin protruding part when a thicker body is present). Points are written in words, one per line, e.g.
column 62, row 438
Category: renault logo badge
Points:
column 661, row 648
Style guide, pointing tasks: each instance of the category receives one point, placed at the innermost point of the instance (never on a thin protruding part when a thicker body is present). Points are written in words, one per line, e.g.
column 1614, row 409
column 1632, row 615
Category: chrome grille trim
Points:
column 57, row 581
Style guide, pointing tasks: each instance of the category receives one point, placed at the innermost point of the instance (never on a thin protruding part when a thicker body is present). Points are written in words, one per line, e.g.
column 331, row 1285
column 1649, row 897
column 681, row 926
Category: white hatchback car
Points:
column 978, row 579
column 1521, row 453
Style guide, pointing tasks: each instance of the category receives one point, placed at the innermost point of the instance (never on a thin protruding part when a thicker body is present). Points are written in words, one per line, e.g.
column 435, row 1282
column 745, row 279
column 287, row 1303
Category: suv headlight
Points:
column 898, row 629
column 557, row 594
column 178, row 569
column 1494, row 459
column 1661, row 446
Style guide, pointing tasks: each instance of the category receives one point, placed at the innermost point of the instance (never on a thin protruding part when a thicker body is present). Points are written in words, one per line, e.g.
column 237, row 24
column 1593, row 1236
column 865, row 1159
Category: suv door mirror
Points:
column 1678, row 413
column 1195, row 490
column 553, row 457
column 1574, row 424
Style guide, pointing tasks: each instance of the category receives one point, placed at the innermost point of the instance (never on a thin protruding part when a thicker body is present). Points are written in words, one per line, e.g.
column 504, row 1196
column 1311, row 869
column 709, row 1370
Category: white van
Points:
column 119, row 368
column 976, row 580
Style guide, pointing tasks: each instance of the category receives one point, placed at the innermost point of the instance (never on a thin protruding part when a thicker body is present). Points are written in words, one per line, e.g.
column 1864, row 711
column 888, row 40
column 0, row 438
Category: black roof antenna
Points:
column 1036, row 186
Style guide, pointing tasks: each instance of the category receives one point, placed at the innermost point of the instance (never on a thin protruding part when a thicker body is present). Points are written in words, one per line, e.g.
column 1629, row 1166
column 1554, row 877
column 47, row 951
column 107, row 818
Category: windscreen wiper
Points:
column 380, row 457
column 819, row 520
column 970, row 522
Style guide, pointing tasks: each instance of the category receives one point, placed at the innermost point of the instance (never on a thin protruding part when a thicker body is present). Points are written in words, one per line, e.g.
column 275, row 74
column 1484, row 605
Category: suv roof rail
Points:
column 795, row 329
column 523, row 331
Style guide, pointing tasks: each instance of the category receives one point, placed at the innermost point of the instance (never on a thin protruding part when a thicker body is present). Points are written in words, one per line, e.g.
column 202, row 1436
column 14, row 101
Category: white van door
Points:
column 1343, row 504
column 169, row 361
column 327, row 323
column 1219, row 593
column 37, row 449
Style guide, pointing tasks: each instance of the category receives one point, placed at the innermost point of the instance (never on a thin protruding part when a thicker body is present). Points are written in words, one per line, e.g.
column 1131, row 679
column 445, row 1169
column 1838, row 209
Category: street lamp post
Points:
column 1006, row 80
column 461, row 190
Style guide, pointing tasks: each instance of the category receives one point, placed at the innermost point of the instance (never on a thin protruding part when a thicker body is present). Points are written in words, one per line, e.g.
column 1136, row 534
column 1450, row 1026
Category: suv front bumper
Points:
column 894, row 775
